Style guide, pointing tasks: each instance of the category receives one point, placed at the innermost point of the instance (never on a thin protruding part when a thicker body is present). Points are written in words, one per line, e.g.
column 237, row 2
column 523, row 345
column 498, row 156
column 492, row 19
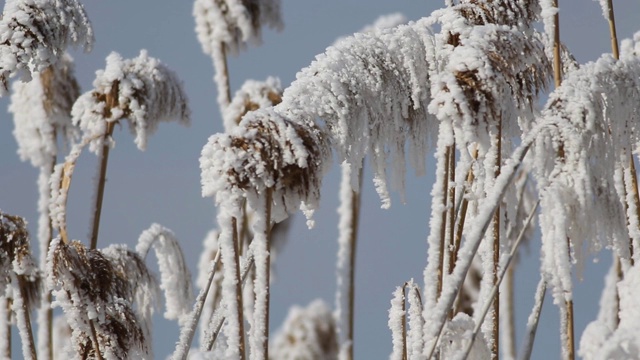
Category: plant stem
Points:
column 102, row 177
column 495, row 345
column 443, row 225
column 404, row 322
column 612, row 30
column 496, row 286
column 240, row 316
column 26, row 318
column 532, row 323
column 94, row 339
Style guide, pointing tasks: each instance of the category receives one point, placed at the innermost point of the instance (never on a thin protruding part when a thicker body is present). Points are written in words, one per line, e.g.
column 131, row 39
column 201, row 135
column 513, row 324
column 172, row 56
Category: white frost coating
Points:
column 415, row 343
column 228, row 25
column 18, row 307
column 42, row 110
column 175, row 278
column 142, row 90
column 35, row 33
column 623, row 342
column 371, row 90
column 307, row 333
column 267, row 150
column 345, row 238
column 100, row 302
column 260, row 245
column 397, row 324
column 62, row 344
column 252, row 95
column 597, row 332
column 4, row 320
column 231, row 291
column 578, row 163
column 456, row 337
column 210, row 245
column 547, row 14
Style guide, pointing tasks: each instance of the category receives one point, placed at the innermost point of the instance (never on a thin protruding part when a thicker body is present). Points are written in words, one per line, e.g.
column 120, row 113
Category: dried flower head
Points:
column 141, row 89
column 96, row 296
column 16, row 258
column 34, row 34
column 233, row 22
column 265, row 151
column 42, row 111
column 252, row 96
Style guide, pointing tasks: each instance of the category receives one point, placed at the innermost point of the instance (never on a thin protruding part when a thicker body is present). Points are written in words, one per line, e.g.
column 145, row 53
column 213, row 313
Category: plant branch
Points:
column 534, row 318
column 102, row 177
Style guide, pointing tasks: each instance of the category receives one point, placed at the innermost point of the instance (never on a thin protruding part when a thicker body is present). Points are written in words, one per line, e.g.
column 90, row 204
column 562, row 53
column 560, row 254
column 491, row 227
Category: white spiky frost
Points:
column 371, row 89
column 142, row 90
column 267, row 150
column 35, row 33
column 175, row 278
column 252, row 95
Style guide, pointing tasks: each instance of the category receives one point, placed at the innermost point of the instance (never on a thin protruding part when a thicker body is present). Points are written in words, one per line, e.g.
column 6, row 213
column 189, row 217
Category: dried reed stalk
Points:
column 111, row 102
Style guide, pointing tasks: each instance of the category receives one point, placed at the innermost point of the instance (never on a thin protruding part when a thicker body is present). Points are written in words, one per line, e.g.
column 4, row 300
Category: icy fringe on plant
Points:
column 307, row 333
column 175, row 278
column 141, row 90
column 34, row 35
column 252, row 96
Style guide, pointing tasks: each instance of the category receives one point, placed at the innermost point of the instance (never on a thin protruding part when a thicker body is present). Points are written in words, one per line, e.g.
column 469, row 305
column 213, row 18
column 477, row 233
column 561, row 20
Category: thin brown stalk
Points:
column 452, row 210
column 557, row 60
column 443, row 226
column 636, row 197
column 557, row 72
column 355, row 217
column 612, row 30
column 26, row 312
column 8, row 328
column 102, row 177
column 266, row 269
column 94, row 340
column 236, row 243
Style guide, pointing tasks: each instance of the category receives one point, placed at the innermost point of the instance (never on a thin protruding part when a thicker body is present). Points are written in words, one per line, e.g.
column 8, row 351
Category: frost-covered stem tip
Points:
column 102, row 177
column 532, row 323
column 222, row 76
column 443, row 225
column 189, row 328
column 349, row 212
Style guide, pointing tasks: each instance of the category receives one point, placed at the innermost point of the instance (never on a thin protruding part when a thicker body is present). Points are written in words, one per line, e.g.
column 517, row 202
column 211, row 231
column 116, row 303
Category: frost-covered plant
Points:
column 307, row 333
column 34, row 35
column 97, row 296
column 19, row 283
column 227, row 26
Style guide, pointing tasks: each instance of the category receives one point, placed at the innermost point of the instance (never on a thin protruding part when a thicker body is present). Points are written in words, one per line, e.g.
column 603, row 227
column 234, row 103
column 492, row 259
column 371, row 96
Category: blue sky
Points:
column 163, row 184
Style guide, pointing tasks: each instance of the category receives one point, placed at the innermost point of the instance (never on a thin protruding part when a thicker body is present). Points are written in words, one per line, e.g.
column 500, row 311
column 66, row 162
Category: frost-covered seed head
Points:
column 35, row 33
column 234, row 22
column 252, row 96
column 42, row 111
column 142, row 90
column 265, row 151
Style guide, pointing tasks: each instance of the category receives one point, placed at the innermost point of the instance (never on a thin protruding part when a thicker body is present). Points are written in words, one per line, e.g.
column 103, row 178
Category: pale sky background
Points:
column 163, row 184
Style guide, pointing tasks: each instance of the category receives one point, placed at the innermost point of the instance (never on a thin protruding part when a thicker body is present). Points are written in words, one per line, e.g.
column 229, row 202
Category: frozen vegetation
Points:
column 530, row 147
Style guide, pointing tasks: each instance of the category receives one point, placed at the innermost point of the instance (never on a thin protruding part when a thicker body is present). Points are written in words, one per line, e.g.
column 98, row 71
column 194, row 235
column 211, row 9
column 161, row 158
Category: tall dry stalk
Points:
column 102, row 177
column 557, row 77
